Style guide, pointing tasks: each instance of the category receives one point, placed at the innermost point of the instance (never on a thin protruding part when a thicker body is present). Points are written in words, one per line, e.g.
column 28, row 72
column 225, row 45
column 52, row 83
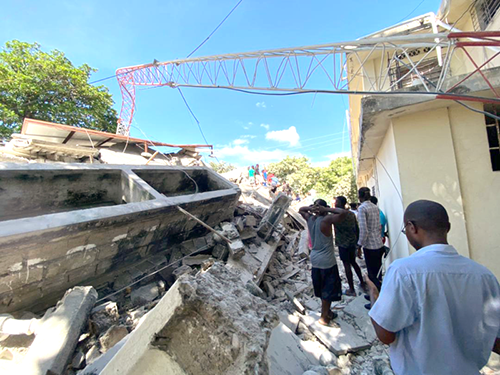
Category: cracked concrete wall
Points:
column 42, row 256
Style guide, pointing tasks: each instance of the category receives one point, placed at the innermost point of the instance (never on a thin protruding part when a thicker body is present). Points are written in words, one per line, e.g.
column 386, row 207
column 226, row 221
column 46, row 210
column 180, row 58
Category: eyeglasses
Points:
column 404, row 228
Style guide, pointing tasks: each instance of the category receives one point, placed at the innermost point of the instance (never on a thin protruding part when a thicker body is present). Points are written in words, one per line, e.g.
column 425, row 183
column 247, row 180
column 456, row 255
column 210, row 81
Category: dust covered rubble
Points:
column 278, row 273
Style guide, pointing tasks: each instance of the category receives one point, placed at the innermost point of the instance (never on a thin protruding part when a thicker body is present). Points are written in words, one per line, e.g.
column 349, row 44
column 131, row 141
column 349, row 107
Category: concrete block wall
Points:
column 42, row 256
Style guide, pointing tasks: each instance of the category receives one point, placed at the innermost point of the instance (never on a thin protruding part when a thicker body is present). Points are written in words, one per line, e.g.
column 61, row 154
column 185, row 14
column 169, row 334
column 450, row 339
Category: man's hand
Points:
column 360, row 253
column 372, row 289
column 319, row 210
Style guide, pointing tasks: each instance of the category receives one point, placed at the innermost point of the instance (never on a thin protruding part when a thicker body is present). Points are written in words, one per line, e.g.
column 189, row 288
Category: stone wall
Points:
column 42, row 256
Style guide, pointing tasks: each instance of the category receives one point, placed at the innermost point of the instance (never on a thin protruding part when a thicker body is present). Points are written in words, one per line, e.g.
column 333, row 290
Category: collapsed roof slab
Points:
column 207, row 324
column 64, row 225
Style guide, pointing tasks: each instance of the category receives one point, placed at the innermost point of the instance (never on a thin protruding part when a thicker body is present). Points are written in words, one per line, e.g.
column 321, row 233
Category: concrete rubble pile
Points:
column 213, row 307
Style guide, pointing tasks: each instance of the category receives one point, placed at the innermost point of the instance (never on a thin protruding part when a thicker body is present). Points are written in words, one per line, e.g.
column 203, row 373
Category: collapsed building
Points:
column 163, row 269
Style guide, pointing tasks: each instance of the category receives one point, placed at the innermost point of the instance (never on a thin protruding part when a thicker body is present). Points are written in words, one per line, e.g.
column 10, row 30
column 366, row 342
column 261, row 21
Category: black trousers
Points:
column 373, row 259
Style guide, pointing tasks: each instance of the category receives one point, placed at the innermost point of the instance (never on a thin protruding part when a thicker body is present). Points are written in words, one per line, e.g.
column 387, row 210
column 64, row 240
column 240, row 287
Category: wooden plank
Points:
column 70, row 135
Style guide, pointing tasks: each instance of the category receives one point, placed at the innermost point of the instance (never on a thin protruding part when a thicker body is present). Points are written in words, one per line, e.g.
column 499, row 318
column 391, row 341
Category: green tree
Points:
column 46, row 86
column 330, row 176
column 222, row 167
column 334, row 180
column 296, row 171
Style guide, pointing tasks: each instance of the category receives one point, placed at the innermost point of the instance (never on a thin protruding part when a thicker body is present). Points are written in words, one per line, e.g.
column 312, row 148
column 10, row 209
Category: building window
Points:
column 402, row 80
column 483, row 13
column 493, row 133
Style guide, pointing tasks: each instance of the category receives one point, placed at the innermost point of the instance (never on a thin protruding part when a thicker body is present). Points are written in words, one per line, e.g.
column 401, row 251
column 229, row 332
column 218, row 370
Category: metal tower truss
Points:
column 415, row 64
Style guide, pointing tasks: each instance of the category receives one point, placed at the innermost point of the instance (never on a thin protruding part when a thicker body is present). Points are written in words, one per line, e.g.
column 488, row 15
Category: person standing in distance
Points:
column 369, row 236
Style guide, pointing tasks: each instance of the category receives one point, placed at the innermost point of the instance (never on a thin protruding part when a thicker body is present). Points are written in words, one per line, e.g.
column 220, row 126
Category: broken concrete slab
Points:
column 229, row 230
column 253, row 266
column 236, row 249
column 340, row 338
column 303, row 250
column 313, row 304
column 356, row 308
column 292, row 240
column 213, row 308
column 104, row 316
column 144, row 294
column 273, row 216
column 112, row 336
column 290, row 320
column 239, row 223
column 96, row 362
column 268, row 288
column 58, row 332
column 195, row 260
column 98, row 222
column 182, row 271
column 248, row 234
column 286, row 353
column 220, row 251
column 250, row 221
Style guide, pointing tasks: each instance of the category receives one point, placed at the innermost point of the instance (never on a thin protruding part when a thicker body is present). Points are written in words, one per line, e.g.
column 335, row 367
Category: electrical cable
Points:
column 409, row 14
column 212, row 33
column 349, row 92
column 196, row 119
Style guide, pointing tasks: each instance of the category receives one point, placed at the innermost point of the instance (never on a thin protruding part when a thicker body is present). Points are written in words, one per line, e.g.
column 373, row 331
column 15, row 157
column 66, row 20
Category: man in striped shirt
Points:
column 369, row 236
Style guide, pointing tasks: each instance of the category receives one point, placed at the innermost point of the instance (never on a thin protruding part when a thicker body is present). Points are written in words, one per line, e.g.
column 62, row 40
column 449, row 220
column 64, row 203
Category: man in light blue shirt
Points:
column 438, row 311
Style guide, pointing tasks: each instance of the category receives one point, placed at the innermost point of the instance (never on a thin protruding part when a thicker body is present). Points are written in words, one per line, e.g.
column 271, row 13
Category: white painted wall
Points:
column 389, row 196
column 428, row 167
column 480, row 185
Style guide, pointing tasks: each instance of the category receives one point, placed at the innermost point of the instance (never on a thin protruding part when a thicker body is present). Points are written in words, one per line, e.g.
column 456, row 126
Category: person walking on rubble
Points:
column 346, row 239
column 251, row 175
column 369, row 237
column 325, row 272
column 439, row 311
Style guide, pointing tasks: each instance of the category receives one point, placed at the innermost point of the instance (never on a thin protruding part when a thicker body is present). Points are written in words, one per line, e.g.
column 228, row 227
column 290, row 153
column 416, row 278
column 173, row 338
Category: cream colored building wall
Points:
column 428, row 169
column 389, row 194
column 480, row 185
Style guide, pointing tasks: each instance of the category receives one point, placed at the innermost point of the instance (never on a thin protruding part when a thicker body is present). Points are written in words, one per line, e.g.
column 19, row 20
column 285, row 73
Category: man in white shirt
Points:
column 438, row 311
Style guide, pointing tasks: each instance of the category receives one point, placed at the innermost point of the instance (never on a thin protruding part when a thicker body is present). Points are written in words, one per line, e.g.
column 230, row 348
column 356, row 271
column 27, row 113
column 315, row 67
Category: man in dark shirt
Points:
column 346, row 238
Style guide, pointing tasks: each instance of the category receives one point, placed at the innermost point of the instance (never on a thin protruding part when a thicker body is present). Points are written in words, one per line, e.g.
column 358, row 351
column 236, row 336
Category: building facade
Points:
column 410, row 147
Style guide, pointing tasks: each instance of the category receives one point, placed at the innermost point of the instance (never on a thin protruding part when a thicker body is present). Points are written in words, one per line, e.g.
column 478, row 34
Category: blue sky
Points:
column 245, row 129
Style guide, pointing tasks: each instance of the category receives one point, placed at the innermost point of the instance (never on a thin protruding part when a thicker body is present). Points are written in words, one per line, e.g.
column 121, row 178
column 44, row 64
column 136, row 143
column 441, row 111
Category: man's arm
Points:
column 387, row 337
column 496, row 347
column 338, row 216
column 305, row 212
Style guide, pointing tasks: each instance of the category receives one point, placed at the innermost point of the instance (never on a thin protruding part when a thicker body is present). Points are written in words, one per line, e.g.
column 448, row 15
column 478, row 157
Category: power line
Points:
column 219, row 25
column 409, row 14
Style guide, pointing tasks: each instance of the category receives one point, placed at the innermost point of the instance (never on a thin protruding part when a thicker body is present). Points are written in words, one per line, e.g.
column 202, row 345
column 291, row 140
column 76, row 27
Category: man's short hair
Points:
column 321, row 202
column 364, row 193
column 374, row 200
column 342, row 200
column 353, row 205
column 428, row 215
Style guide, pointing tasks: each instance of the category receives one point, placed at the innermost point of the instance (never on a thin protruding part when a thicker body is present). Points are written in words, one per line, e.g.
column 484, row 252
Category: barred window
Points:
column 493, row 133
column 483, row 12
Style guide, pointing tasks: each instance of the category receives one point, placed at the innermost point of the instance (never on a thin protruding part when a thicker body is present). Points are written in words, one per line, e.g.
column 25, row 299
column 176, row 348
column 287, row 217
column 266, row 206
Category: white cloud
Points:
column 246, row 127
column 240, row 141
column 289, row 135
column 249, row 136
column 251, row 156
column 265, row 126
column 261, row 104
